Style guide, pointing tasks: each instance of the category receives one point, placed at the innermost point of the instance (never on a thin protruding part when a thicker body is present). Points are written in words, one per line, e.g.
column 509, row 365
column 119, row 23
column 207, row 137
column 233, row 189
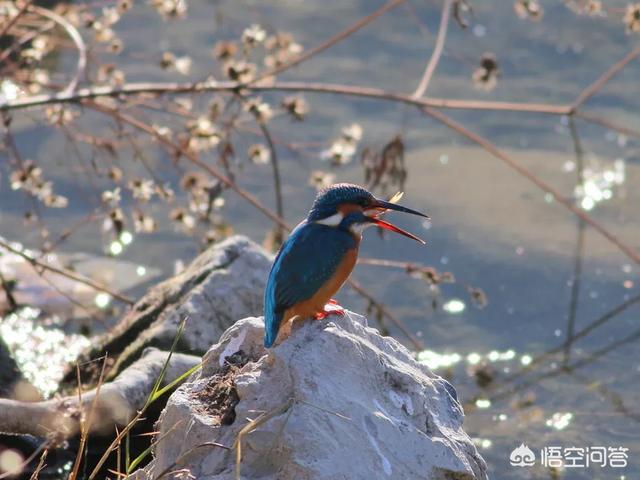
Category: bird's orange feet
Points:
column 331, row 308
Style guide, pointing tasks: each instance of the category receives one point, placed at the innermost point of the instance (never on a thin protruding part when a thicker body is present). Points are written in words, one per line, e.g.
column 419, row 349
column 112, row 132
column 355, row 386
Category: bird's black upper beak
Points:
column 384, row 205
column 378, row 207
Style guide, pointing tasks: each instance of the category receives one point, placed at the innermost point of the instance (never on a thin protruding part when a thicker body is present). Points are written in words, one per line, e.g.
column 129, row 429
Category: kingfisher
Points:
column 319, row 255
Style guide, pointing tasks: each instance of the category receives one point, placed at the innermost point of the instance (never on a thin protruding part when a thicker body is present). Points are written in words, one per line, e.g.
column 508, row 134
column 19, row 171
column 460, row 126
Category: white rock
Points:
column 361, row 408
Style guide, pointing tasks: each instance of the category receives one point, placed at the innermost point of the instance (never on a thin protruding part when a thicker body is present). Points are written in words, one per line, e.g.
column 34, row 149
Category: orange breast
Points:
column 316, row 303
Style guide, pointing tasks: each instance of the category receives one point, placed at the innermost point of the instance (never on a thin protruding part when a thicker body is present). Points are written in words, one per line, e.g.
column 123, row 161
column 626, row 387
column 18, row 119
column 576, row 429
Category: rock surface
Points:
column 222, row 284
column 342, row 402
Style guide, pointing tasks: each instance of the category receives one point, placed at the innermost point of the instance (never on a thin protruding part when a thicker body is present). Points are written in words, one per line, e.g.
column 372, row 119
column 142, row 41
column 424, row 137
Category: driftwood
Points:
column 117, row 402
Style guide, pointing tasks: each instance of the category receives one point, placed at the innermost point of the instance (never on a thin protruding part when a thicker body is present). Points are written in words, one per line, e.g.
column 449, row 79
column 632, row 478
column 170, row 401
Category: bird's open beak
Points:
column 393, row 228
column 379, row 207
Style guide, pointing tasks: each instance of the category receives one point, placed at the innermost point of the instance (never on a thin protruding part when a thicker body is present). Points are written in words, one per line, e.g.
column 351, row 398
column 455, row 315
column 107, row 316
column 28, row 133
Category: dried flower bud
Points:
column 142, row 189
column 253, row 36
column 632, row 18
column 259, row 154
column 240, row 71
column 124, row 5
column 485, row 77
column 182, row 218
column 194, row 181
column 296, row 106
column 114, row 174
column 529, row 9
column 259, row 109
column 111, row 197
column 321, row 180
column 170, row 9
column 224, row 50
column 143, row 223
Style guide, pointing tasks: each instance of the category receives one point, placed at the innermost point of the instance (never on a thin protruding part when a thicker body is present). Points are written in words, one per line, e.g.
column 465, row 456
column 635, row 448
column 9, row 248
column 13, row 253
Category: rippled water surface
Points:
column 544, row 272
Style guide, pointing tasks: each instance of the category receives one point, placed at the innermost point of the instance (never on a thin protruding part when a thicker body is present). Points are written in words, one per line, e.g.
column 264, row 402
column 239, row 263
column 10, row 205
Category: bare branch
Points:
column 65, row 273
column 77, row 40
column 140, row 125
column 330, row 88
column 437, row 51
column 604, row 78
column 338, row 37
column 115, row 404
column 7, row 26
column 565, row 202
column 604, row 122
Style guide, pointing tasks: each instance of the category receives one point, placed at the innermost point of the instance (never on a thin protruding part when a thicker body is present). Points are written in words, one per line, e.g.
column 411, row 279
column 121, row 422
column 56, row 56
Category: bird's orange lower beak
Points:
column 393, row 228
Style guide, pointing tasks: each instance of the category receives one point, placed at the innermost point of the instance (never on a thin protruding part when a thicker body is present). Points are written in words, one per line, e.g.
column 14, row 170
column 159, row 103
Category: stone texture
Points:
column 224, row 283
column 342, row 402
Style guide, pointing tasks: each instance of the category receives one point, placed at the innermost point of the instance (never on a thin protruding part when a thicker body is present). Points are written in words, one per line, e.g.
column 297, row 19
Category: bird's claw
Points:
column 331, row 308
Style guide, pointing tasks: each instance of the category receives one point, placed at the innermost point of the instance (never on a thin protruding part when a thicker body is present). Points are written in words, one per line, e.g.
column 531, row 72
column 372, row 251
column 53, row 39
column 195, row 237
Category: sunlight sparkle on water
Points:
column 8, row 91
column 526, row 360
column 483, row 403
column 559, row 420
column 126, row 238
column 40, row 352
column 454, row 306
column 484, row 443
column 435, row 360
column 102, row 300
column 115, row 248
column 474, row 358
column 141, row 271
column 599, row 183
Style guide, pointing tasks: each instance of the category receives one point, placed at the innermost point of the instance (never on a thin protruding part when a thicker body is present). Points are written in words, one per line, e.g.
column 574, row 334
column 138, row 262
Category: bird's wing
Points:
column 307, row 260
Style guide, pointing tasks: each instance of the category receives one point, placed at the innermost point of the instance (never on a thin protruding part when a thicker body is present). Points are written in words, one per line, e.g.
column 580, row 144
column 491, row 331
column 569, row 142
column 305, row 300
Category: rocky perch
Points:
column 334, row 401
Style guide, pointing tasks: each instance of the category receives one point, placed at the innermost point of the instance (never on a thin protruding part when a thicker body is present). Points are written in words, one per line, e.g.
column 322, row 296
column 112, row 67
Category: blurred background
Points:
column 520, row 302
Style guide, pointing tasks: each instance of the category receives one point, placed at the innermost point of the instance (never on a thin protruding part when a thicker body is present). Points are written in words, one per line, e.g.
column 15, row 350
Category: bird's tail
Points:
column 272, row 320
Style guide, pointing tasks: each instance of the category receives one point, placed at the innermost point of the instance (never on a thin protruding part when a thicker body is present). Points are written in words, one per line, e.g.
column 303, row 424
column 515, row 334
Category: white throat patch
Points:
column 358, row 228
column 332, row 221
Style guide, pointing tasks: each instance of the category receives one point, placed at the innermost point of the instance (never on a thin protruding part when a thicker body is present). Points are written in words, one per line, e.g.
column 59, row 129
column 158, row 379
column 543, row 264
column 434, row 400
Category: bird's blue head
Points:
column 354, row 208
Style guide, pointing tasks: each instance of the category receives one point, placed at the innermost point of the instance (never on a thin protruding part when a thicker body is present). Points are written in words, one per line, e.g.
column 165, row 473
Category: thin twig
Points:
column 597, row 323
column 66, row 273
column 541, row 184
column 7, row 26
column 193, row 158
column 604, row 78
column 15, row 45
column 313, row 87
column 277, row 184
column 604, row 122
column 577, row 263
column 437, row 50
column 417, row 344
column 40, row 466
column 77, row 40
column 275, row 166
column 338, row 37
column 85, row 424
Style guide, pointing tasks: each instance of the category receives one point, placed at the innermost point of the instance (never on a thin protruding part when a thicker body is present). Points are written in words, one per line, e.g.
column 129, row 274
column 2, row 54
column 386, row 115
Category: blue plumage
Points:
column 328, row 201
column 321, row 252
column 306, row 261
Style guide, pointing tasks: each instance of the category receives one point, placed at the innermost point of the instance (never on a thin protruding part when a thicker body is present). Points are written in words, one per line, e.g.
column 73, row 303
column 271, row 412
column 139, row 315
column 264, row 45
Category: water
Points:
column 491, row 227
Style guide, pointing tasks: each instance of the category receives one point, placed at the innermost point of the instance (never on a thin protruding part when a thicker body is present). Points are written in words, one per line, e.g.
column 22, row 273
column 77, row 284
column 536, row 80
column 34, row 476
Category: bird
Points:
column 319, row 255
